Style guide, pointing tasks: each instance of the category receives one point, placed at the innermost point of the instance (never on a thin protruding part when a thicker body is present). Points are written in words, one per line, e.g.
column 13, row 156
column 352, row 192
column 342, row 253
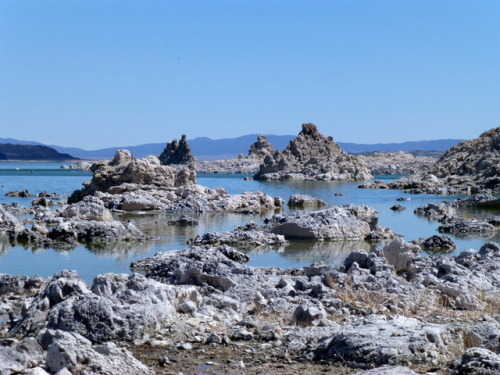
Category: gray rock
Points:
column 9, row 222
column 184, row 220
column 261, row 148
column 311, row 156
column 396, row 162
column 19, row 194
column 388, row 370
column 70, row 350
column 244, row 237
column 464, row 227
column 96, row 232
column 436, row 243
column 308, row 315
column 305, row 201
column 390, row 341
column 119, row 307
column 400, row 254
column 89, row 209
column 436, row 211
column 477, row 361
column 347, row 222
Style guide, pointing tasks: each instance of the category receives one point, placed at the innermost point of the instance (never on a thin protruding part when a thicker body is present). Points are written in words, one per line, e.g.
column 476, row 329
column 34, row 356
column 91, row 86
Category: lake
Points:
column 91, row 261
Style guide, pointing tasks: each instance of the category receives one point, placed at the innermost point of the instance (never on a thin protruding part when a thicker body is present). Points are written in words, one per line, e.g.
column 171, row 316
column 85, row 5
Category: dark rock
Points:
column 465, row 227
column 436, row 243
column 398, row 207
column 184, row 220
column 20, row 194
column 177, row 153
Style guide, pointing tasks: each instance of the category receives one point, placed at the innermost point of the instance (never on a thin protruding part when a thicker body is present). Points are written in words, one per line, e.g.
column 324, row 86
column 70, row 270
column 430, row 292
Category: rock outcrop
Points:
column 312, row 156
column 131, row 184
column 469, row 167
column 177, row 153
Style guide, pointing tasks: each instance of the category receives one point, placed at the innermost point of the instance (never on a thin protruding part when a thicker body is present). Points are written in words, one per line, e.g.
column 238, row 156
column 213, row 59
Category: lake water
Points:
column 91, row 261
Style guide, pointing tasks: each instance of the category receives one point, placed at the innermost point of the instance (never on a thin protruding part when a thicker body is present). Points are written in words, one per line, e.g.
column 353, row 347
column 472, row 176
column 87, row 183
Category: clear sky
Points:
column 102, row 73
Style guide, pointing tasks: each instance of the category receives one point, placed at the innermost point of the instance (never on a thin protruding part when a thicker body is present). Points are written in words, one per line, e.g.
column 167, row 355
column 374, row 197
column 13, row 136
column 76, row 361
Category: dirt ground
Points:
column 232, row 359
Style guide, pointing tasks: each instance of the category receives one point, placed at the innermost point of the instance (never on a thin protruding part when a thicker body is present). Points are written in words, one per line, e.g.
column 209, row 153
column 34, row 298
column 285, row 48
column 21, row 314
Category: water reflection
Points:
column 307, row 252
column 121, row 251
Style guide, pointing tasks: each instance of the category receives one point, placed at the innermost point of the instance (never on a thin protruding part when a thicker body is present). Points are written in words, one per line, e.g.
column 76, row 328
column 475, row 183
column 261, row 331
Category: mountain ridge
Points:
column 205, row 148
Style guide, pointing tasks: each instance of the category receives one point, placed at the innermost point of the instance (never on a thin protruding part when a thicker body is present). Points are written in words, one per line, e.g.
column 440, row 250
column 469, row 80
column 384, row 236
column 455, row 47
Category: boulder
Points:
column 436, row 243
column 476, row 361
column 88, row 209
column 396, row 340
column 184, row 220
column 71, row 350
column 305, row 201
column 400, row 254
column 347, row 222
column 9, row 222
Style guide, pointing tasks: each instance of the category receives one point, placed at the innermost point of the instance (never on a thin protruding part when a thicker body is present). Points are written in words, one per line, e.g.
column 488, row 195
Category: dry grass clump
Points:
column 422, row 303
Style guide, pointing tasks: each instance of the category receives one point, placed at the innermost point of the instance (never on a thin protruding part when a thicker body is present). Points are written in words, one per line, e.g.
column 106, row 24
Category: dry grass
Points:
column 425, row 303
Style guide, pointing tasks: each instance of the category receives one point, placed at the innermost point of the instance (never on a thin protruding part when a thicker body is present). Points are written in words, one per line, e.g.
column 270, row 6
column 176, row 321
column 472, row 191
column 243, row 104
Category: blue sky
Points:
column 104, row 73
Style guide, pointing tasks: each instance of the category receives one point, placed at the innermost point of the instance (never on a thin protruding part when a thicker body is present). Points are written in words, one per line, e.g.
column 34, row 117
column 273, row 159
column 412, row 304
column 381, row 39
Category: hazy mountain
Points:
column 211, row 149
column 9, row 151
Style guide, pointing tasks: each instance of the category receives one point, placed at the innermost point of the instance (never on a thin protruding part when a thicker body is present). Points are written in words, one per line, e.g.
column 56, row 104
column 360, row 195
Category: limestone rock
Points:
column 397, row 163
column 9, row 222
column 394, row 341
column 470, row 167
column 400, row 254
column 312, row 156
column 305, row 201
column 177, row 152
column 347, row 222
column 261, row 148
column 125, row 173
column 477, row 361
column 479, row 158
column 90, row 208
column 70, row 350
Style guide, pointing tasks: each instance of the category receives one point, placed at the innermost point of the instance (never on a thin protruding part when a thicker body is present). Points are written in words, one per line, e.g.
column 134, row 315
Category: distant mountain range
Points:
column 212, row 149
column 9, row 151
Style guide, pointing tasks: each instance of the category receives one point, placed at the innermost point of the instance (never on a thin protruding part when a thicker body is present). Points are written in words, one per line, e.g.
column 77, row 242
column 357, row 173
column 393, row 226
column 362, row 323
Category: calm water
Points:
column 89, row 262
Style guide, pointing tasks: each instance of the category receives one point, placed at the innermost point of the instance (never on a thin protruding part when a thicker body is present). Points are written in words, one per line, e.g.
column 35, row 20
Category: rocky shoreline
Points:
column 389, row 308
column 394, row 310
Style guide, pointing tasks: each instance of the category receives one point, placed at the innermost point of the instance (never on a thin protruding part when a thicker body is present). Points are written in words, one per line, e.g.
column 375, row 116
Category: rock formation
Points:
column 396, row 163
column 261, row 148
column 469, row 167
column 177, row 153
column 131, row 184
column 477, row 158
column 312, row 156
